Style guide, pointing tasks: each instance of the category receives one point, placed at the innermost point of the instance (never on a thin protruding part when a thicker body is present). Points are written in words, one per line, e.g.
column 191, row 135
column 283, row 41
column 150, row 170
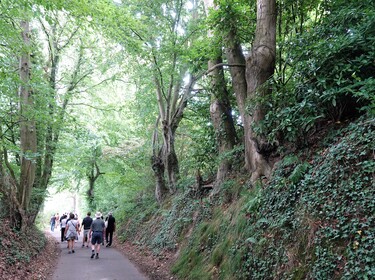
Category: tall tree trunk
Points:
column 221, row 116
column 247, row 82
column 171, row 109
column 169, row 155
column 235, row 56
column 260, row 66
column 169, row 124
column 92, row 176
column 221, row 112
column 27, row 131
column 158, row 166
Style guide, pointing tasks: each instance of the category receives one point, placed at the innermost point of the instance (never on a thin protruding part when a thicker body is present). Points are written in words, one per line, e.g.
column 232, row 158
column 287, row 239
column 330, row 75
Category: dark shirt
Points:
column 87, row 221
column 111, row 223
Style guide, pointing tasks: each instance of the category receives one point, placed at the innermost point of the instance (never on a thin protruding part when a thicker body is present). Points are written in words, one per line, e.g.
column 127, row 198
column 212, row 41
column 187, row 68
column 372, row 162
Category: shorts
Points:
column 72, row 236
column 97, row 237
column 85, row 233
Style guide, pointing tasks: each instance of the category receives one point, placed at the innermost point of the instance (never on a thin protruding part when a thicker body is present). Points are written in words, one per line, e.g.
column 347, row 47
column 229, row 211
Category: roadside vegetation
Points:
column 231, row 139
column 311, row 221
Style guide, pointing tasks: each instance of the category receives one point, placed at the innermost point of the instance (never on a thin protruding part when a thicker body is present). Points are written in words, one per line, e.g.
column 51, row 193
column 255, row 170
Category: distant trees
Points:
column 47, row 81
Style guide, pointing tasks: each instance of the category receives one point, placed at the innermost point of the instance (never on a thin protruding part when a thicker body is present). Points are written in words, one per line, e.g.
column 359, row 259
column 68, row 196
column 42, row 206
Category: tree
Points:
column 221, row 111
column 27, row 132
column 260, row 66
column 61, row 35
column 93, row 174
column 18, row 124
column 251, row 82
column 165, row 41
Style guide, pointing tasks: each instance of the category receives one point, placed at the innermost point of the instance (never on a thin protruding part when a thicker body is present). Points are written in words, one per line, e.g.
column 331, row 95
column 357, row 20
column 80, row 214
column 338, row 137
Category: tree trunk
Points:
column 160, row 188
column 221, row 113
column 170, row 114
column 247, row 82
column 157, row 165
column 235, row 56
column 92, row 176
column 169, row 156
column 27, row 131
column 260, row 66
column 221, row 116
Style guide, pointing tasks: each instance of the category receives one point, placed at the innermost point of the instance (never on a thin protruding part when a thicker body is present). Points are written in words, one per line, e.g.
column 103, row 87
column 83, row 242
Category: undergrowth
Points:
column 313, row 220
column 17, row 249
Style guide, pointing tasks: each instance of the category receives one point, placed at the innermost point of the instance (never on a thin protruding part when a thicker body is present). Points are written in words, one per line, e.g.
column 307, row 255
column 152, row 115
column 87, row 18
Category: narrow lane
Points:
column 111, row 265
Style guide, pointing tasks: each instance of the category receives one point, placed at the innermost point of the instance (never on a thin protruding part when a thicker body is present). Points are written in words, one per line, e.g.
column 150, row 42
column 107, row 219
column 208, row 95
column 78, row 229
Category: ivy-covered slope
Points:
column 28, row 255
column 313, row 220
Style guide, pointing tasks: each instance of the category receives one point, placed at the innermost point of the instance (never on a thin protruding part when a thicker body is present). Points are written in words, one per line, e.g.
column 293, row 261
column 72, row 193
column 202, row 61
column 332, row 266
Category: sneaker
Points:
column 72, row 251
column 92, row 255
column 97, row 256
column 87, row 246
column 83, row 245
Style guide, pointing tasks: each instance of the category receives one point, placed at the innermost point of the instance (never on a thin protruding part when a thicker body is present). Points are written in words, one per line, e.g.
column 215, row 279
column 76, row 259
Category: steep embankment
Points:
column 28, row 255
column 313, row 220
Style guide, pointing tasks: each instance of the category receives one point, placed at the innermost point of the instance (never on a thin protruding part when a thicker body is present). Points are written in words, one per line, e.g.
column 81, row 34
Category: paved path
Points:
column 112, row 265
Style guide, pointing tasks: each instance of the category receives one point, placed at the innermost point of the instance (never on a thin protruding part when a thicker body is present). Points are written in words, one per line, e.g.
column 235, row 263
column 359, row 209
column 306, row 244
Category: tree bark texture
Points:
column 247, row 82
column 221, row 113
column 27, row 129
column 157, row 165
column 160, row 188
column 260, row 66
column 221, row 116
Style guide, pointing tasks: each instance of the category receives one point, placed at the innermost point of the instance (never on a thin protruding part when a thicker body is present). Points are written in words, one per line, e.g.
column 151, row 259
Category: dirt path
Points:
column 112, row 265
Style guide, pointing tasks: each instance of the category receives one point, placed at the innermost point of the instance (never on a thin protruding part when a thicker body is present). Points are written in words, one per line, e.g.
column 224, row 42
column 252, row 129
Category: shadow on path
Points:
column 112, row 265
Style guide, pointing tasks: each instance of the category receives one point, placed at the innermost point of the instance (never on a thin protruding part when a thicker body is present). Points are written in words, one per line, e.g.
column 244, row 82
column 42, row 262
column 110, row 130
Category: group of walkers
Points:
column 94, row 231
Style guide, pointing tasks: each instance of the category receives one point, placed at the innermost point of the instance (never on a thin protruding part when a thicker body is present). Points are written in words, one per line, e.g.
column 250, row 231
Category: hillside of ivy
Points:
column 313, row 220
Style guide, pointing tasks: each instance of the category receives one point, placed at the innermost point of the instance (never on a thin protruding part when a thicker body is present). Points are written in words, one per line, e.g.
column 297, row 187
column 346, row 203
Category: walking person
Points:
column 57, row 219
column 71, row 232
column 96, row 232
column 52, row 222
column 63, row 221
column 111, row 227
column 86, row 224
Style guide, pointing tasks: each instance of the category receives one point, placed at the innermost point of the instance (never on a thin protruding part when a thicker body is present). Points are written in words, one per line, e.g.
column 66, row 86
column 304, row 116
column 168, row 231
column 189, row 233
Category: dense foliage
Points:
column 123, row 98
column 330, row 74
column 312, row 221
